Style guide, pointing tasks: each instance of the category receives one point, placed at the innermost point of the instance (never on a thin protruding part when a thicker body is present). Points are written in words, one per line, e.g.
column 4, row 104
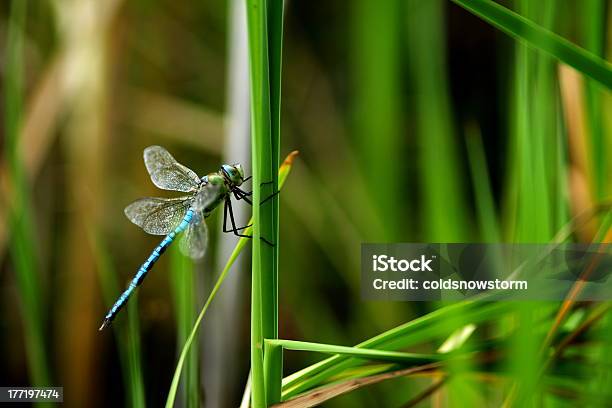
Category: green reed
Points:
column 377, row 105
column 265, row 26
column 127, row 334
column 184, row 284
column 541, row 38
column 439, row 163
column 21, row 224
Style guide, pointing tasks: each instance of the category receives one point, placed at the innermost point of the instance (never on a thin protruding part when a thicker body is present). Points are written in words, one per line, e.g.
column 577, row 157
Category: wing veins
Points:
column 158, row 216
column 167, row 173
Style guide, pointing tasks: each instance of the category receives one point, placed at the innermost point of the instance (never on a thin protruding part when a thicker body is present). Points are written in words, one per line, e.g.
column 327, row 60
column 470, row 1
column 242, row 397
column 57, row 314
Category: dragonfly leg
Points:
column 269, row 197
column 242, row 195
column 228, row 207
column 249, row 193
column 225, row 229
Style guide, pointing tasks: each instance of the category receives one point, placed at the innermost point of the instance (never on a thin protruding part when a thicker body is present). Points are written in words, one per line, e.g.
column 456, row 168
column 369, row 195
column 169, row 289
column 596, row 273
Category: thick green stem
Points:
column 264, row 19
column 260, row 125
column 273, row 369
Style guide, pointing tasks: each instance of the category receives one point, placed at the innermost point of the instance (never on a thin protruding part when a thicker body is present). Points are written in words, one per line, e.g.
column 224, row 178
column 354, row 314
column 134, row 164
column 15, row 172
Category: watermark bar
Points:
column 31, row 394
column 487, row 272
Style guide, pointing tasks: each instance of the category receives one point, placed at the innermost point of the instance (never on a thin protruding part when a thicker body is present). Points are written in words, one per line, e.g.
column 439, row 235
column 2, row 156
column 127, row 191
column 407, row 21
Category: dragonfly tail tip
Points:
column 105, row 323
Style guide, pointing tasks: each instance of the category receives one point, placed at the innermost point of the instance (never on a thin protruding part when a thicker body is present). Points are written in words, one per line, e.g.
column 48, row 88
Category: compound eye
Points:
column 239, row 170
column 226, row 170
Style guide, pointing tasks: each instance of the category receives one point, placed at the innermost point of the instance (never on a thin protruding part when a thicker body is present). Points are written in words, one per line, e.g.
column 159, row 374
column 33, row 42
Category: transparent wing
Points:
column 195, row 240
column 158, row 216
column 206, row 197
column 168, row 174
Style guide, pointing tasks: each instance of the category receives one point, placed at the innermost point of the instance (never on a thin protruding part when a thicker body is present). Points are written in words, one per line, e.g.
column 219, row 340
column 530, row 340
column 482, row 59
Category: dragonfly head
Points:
column 233, row 173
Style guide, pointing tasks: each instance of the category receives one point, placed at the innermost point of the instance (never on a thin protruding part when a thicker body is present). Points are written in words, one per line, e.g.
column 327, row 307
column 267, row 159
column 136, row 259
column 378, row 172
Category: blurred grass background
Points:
column 416, row 121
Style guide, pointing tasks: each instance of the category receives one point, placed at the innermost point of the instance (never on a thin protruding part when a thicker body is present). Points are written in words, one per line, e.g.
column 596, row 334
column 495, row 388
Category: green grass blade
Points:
column 535, row 146
column 593, row 32
column 283, row 172
column 545, row 40
column 376, row 63
column 439, row 160
column 183, row 285
column 133, row 347
column 264, row 21
column 192, row 335
column 485, row 202
column 21, row 241
column 273, row 371
column 262, row 275
column 363, row 353
column 126, row 338
column 425, row 328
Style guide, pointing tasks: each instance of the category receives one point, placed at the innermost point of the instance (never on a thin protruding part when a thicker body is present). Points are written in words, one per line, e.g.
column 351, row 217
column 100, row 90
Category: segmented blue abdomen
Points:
column 146, row 267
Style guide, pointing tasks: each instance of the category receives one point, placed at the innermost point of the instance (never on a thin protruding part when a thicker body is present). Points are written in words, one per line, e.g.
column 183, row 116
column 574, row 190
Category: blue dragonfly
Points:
column 186, row 214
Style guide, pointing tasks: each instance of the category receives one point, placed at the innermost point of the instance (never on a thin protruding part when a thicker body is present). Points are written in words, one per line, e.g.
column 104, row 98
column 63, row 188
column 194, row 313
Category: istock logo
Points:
column 383, row 263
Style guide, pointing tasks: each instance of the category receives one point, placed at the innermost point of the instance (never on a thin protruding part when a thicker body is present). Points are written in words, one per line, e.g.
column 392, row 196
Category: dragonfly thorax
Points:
column 212, row 192
column 215, row 187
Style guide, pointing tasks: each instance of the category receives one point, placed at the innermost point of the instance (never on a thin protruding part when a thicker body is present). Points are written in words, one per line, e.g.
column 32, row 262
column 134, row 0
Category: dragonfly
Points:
column 186, row 214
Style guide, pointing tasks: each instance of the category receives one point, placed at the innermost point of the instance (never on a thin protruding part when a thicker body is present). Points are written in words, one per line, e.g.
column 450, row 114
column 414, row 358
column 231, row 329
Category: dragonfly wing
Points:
column 205, row 198
column 158, row 216
column 195, row 240
column 168, row 174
